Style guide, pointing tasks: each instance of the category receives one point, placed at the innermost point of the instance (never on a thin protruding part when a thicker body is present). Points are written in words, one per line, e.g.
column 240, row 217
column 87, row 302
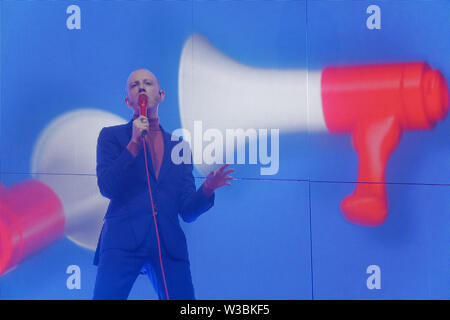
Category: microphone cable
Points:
column 143, row 100
column 154, row 217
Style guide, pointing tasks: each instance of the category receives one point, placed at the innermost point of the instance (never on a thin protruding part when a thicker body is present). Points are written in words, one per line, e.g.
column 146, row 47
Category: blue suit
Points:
column 128, row 242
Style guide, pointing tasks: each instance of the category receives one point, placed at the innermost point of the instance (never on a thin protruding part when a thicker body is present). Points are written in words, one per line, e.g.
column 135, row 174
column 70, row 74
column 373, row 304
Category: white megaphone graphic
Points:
column 62, row 198
column 216, row 92
column 374, row 103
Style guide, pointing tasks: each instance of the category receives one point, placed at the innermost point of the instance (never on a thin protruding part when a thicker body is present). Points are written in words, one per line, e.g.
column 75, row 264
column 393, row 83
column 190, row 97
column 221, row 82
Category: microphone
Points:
column 143, row 101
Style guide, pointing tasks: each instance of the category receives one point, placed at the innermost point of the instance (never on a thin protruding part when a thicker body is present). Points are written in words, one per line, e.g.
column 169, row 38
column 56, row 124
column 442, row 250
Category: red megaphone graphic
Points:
column 375, row 103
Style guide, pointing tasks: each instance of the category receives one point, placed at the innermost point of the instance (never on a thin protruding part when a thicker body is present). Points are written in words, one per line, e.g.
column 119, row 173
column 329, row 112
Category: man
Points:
column 128, row 242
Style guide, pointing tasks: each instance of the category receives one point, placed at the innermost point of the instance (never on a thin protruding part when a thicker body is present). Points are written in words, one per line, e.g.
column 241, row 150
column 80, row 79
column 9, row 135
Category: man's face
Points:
column 139, row 82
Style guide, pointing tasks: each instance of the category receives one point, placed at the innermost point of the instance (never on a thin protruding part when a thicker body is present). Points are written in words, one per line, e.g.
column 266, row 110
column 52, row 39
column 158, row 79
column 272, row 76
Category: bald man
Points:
column 128, row 243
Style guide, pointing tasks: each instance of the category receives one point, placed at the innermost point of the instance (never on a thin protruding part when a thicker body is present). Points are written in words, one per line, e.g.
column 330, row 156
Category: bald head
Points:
column 143, row 81
column 140, row 74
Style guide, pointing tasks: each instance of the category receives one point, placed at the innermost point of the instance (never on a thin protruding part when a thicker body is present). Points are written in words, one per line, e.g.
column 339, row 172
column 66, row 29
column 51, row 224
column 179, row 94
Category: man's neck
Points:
column 152, row 113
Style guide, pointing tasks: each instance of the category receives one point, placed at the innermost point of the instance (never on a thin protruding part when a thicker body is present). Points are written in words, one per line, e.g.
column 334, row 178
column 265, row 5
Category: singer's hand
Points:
column 218, row 178
column 139, row 125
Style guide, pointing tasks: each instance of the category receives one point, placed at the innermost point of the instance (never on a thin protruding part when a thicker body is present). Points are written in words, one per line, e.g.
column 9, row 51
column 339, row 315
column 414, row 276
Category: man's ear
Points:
column 126, row 101
column 162, row 94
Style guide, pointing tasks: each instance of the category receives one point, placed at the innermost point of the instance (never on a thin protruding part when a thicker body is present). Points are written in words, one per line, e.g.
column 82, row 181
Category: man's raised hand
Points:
column 218, row 178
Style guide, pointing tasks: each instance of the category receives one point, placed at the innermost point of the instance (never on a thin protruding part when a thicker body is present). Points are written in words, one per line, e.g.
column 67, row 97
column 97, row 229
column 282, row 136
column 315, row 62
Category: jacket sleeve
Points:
column 192, row 202
column 112, row 165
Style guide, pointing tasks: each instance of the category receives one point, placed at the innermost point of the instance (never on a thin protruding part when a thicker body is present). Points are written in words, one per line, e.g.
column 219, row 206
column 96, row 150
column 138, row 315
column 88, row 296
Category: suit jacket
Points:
column 122, row 178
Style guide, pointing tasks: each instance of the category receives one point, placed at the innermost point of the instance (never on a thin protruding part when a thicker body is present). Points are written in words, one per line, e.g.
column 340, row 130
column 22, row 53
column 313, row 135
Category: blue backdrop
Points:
column 267, row 237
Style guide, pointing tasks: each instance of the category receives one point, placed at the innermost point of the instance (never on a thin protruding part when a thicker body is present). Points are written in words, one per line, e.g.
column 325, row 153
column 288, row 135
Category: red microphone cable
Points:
column 143, row 100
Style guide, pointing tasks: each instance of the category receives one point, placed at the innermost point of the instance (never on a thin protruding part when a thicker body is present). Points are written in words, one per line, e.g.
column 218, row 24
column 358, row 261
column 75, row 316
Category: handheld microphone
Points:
column 143, row 101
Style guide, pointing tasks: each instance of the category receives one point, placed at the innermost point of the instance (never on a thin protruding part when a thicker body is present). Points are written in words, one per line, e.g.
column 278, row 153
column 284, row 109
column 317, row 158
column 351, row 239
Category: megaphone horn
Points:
column 374, row 103
column 225, row 94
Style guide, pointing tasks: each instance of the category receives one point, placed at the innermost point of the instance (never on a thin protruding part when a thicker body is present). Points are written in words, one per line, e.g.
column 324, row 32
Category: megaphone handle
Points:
column 374, row 141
